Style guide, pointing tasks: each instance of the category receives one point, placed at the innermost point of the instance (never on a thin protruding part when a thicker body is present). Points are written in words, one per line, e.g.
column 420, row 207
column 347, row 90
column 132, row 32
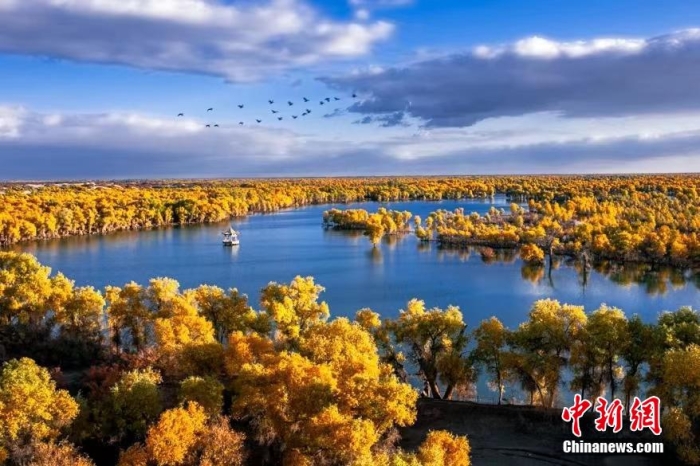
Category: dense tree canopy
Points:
column 31, row 408
column 650, row 218
column 325, row 395
column 305, row 388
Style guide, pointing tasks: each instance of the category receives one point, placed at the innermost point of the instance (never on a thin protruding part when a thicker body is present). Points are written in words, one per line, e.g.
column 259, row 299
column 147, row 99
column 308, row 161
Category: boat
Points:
column 231, row 237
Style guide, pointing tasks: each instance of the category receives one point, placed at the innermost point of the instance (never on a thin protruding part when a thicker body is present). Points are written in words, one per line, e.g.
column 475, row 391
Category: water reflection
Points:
column 279, row 246
column 375, row 255
column 532, row 273
column 392, row 241
column 354, row 237
column 461, row 254
column 424, row 247
column 654, row 279
column 233, row 250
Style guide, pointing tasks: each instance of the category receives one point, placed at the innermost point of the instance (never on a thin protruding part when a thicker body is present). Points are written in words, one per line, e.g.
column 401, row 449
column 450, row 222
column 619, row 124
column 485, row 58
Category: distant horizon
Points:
column 263, row 178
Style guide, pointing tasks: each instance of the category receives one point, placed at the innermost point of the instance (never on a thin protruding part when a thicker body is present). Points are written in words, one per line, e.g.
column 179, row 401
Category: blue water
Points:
column 277, row 247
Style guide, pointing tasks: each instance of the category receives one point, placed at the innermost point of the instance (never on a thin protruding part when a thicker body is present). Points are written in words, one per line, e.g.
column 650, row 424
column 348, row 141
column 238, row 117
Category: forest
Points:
column 637, row 218
column 643, row 227
column 149, row 374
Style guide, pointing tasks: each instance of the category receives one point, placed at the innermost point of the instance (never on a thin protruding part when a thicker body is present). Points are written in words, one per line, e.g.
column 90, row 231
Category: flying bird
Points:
column 208, row 126
column 290, row 103
column 275, row 111
column 322, row 102
column 241, row 106
column 305, row 99
column 240, row 122
column 210, row 109
column 216, row 126
column 328, row 99
column 308, row 111
column 336, row 98
column 271, row 102
column 279, row 118
column 295, row 117
column 180, row 114
column 259, row 121
column 354, row 96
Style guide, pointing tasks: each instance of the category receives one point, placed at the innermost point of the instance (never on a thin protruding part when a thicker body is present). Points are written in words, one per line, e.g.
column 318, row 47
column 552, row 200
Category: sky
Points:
column 92, row 89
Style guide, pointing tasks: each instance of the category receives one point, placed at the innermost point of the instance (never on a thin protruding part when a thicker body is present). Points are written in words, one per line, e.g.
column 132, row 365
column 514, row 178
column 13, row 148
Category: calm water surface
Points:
column 277, row 247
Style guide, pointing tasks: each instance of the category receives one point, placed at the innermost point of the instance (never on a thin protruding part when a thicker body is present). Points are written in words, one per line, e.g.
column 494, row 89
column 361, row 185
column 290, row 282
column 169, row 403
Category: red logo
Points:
column 645, row 414
column 575, row 413
column 609, row 415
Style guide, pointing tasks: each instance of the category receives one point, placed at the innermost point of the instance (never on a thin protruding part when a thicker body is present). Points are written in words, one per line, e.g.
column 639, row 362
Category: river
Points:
column 279, row 246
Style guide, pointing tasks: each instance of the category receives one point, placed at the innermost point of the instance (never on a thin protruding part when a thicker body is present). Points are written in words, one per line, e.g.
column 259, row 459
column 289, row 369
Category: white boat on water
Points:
column 231, row 237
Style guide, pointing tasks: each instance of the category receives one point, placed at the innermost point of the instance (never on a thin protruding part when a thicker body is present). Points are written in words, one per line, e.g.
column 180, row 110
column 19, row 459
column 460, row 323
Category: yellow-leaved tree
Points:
column 490, row 352
column 180, row 333
column 321, row 391
column 176, row 432
column 679, row 390
column 543, row 345
column 596, row 355
column 294, row 308
column 435, row 340
column 25, row 289
column 532, row 254
column 183, row 437
column 31, row 408
column 128, row 316
column 227, row 311
column 440, row 448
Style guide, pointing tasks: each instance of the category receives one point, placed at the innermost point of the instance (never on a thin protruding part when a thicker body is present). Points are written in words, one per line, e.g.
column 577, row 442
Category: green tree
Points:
column 128, row 314
column 228, row 312
column 429, row 336
column 206, row 391
column 134, row 403
column 639, row 350
column 607, row 327
column 491, row 339
column 679, row 390
column 545, row 342
column 680, row 329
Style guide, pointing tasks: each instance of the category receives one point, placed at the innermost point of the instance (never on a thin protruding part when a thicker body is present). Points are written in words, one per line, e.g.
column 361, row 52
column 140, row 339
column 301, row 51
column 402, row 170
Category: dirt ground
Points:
column 523, row 435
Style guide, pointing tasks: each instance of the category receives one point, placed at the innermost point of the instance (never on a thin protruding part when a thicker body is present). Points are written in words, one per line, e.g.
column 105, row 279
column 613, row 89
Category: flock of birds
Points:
column 306, row 111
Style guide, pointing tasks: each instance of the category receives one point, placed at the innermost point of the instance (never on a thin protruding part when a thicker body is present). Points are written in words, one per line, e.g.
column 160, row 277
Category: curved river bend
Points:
column 276, row 247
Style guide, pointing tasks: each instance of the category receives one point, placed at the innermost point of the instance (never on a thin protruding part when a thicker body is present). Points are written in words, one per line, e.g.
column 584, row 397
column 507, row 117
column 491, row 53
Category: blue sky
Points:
column 92, row 88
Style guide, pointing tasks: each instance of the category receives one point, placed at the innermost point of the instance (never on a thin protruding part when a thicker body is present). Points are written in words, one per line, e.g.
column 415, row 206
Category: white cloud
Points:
column 599, row 77
column 364, row 7
column 238, row 42
column 540, row 47
column 380, row 3
column 132, row 132
column 34, row 145
column 362, row 14
column 10, row 122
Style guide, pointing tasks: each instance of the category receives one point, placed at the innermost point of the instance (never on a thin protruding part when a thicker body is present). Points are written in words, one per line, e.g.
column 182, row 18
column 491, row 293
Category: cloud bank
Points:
column 239, row 43
column 601, row 77
column 37, row 145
